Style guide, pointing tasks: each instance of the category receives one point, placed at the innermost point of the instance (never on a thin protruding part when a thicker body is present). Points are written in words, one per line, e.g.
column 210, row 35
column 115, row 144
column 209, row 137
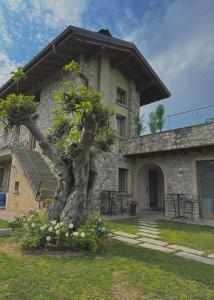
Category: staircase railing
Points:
column 28, row 166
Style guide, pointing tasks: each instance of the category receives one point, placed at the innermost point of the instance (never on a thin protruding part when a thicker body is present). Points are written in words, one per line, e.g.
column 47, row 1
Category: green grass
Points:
column 120, row 271
column 3, row 224
column 128, row 225
column 194, row 236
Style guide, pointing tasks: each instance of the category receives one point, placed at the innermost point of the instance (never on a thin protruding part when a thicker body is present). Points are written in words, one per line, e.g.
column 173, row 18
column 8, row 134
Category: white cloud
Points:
column 57, row 14
column 178, row 40
column 6, row 66
column 5, row 35
column 16, row 5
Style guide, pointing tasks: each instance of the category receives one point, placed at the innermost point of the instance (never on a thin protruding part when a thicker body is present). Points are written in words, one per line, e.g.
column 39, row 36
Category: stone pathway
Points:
column 148, row 237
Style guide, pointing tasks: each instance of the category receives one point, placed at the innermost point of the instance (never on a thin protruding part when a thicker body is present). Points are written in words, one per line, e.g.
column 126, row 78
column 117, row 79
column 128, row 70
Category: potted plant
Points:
column 133, row 206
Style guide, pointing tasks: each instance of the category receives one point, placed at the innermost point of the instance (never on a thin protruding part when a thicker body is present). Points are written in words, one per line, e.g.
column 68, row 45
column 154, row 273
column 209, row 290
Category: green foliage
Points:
column 73, row 66
column 75, row 106
column 18, row 74
column 33, row 231
column 156, row 119
column 138, row 120
column 15, row 108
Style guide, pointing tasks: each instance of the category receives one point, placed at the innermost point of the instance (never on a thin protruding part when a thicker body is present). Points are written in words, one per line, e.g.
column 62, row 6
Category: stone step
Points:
column 126, row 234
column 156, row 247
column 186, row 249
column 125, row 239
column 5, row 231
column 152, row 241
column 148, row 224
column 155, row 230
column 152, row 236
column 205, row 260
column 148, row 231
column 211, row 255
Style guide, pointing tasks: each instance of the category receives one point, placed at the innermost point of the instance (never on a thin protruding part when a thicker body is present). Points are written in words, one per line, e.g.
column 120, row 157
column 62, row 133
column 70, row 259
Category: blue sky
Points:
column 176, row 37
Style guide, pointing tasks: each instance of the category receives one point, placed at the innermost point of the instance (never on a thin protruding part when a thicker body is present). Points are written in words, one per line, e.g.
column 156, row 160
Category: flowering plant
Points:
column 33, row 231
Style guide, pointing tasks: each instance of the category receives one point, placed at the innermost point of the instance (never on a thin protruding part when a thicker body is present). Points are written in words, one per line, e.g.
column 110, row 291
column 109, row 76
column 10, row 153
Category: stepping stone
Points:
column 202, row 259
column 148, row 224
column 148, row 221
column 125, row 234
column 186, row 249
column 211, row 255
column 148, row 230
column 152, row 236
column 156, row 247
column 152, row 241
column 125, row 239
column 5, row 231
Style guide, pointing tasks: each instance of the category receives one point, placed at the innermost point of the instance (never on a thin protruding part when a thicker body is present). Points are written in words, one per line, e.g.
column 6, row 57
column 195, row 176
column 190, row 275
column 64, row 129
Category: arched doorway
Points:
column 150, row 187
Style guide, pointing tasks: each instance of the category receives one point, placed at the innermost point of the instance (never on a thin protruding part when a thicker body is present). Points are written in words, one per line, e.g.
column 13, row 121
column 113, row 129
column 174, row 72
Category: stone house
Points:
column 153, row 170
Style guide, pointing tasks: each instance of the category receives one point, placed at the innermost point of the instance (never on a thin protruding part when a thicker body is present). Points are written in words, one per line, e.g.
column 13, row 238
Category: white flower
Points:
column 82, row 234
column 103, row 229
column 33, row 225
column 99, row 220
column 53, row 222
column 71, row 226
column 42, row 228
column 58, row 232
column 50, row 229
column 48, row 238
column 57, row 226
column 61, row 223
column 66, row 235
column 75, row 233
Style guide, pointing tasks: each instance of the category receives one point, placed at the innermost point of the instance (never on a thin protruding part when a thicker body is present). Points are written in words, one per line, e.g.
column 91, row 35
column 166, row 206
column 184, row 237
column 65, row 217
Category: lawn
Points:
column 3, row 224
column 120, row 271
column 194, row 236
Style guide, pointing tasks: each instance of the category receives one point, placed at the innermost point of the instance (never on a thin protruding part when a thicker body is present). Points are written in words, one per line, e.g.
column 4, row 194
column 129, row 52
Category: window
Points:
column 121, row 126
column 37, row 96
column 121, row 96
column 123, row 180
column 16, row 187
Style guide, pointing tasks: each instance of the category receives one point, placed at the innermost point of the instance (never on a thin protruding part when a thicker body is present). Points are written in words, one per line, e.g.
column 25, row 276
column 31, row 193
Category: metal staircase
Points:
column 36, row 171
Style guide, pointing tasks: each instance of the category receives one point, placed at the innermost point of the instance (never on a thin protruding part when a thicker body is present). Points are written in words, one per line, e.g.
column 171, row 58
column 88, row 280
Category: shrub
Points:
column 34, row 231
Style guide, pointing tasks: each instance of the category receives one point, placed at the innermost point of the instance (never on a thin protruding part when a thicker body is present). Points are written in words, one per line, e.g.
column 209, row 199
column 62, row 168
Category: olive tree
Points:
column 81, row 128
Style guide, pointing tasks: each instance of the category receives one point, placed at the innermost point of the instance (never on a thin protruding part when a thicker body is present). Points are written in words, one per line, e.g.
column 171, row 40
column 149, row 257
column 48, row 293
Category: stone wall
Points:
column 134, row 106
column 180, row 173
column 182, row 138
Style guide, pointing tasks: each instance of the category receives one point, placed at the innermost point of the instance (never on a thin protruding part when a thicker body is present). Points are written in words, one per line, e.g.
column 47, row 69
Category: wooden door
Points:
column 153, row 189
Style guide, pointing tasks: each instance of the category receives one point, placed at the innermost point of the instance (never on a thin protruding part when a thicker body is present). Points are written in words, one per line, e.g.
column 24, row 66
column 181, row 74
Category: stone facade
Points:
column 177, row 154
column 182, row 138
column 106, row 79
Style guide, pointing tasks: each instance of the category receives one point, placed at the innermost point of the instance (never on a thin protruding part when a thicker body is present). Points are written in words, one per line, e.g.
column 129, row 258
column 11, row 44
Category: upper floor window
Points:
column 37, row 96
column 121, row 126
column 121, row 96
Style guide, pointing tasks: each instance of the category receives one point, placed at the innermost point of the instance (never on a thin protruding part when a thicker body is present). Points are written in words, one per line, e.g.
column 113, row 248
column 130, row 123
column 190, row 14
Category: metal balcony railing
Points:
column 197, row 116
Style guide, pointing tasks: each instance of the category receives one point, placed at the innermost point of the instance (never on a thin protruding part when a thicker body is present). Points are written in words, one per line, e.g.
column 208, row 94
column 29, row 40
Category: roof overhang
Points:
column 74, row 41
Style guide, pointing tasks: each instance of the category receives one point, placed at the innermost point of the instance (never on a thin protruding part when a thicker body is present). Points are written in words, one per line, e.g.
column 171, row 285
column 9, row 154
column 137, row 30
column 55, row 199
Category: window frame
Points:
column 123, row 94
column 16, row 187
column 125, row 179
column 122, row 133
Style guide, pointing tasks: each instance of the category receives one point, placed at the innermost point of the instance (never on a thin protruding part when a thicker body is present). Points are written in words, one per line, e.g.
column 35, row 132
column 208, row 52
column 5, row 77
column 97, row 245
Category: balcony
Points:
column 178, row 139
